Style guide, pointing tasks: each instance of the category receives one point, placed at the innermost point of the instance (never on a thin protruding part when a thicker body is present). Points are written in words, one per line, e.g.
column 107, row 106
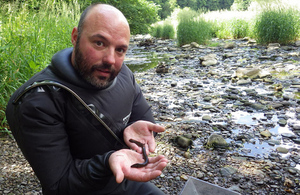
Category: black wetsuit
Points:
column 64, row 143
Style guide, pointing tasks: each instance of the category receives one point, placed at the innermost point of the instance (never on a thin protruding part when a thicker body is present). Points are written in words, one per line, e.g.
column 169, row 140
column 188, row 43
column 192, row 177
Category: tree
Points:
column 205, row 4
column 241, row 4
column 166, row 7
column 139, row 13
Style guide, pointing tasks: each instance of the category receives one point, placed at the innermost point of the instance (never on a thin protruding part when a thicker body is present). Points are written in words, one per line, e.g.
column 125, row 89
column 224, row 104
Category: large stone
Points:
column 216, row 141
column 227, row 171
column 266, row 133
column 209, row 60
column 249, row 72
column 184, row 141
column 282, row 150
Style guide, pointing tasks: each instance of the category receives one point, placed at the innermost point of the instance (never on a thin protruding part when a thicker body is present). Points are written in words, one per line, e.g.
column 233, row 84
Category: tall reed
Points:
column 192, row 27
column 280, row 25
column 163, row 30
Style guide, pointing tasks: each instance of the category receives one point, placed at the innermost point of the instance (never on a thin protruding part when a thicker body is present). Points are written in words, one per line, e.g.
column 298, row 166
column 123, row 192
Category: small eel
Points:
column 145, row 157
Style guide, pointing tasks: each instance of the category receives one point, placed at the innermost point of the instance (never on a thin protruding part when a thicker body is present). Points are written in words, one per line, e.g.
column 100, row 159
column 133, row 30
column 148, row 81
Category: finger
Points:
column 135, row 148
column 151, row 145
column 156, row 128
column 119, row 174
column 159, row 162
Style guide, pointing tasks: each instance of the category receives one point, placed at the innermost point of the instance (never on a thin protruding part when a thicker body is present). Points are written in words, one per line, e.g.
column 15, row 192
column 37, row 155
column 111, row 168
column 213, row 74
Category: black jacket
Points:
column 66, row 146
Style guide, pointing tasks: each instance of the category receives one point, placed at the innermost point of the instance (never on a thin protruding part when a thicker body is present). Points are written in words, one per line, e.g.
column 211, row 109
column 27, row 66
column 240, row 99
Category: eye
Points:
column 99, row 43
column 121, row 50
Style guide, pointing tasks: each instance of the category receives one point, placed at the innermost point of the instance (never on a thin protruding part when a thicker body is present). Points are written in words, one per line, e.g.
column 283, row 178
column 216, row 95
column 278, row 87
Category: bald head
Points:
column 101, row 11
column 100, row 42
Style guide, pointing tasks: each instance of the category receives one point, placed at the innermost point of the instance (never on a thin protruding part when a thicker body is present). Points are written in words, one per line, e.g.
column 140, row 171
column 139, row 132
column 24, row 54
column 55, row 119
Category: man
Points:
column 73, row 120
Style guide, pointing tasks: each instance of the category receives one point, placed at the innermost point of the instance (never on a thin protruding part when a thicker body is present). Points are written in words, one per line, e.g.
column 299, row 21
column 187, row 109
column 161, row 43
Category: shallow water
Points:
column 139, row 60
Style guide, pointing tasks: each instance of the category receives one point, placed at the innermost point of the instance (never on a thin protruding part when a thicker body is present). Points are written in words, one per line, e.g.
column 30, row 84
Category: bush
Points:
column 277, row 25
column 222, row 30
column 164, row 31
column 192, row 28
column 157, row 31
column 29, row 39
column 239, row 28
column 168, row 31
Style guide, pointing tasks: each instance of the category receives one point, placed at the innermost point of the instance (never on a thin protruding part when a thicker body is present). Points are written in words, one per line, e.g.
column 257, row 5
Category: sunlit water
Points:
column 139, row 60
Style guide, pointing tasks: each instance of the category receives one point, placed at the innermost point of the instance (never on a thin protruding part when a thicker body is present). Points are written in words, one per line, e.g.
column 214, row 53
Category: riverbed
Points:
column 247, row 93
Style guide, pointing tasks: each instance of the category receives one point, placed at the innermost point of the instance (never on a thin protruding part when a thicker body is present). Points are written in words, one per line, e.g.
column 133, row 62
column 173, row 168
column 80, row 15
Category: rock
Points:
column 266, row 133
column 244, row 82
column 147, row 42
column 296, row 141
column 195, row 45
column 297, row 43
column 206, row 118
column 282, row 150
column 258, row 106
column 229, row 45
column 162, row 68
column 229, row 55
column 249, row 72
column 183, row 141
column 173, row 84
column 227, row 171
column 293, row 170
column 208, row 60
column 235, row 188
column 289, row 183
column 282, row 122
column 296, row 127
column 274, row 142
column 216, row 141
column 184, row 177
column 289, row 135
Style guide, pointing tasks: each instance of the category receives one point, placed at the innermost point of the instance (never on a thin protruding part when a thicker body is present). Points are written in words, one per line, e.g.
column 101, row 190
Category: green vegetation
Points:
column 192, row 28
column 277, row 26
column 29, row 38
column 164, row 31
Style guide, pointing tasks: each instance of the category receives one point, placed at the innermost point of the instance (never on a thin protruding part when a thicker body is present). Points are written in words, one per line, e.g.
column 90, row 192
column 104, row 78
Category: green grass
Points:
column 192, row 28
column 29, row 38
column 277, row 25
column 163, row 30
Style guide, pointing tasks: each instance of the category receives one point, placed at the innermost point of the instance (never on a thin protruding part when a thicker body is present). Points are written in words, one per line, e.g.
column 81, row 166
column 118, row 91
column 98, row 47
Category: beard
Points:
column 86, row 71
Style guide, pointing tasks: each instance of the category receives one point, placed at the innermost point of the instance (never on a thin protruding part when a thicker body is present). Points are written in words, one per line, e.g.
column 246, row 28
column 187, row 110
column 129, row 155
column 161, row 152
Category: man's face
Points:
column 100, row 50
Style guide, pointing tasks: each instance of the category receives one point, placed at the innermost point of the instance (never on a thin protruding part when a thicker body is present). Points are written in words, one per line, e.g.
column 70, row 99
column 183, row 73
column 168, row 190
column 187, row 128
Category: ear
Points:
column 74, row 36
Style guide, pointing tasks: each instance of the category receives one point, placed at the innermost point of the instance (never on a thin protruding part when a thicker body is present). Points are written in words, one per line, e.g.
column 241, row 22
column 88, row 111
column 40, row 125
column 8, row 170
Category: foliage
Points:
column 139, row 13
column 241, row 5
column 277, row 25
column 30, row 38
column 192, row 28
column 166, row 7
column 239, row 28
column 164, row 30
column 157, row 31
column 205, row 4
column 232, row 27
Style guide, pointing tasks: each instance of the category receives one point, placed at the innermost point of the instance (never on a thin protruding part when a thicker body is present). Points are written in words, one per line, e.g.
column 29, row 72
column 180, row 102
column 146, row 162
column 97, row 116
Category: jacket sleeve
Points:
column 141, row 109
column 37, row 123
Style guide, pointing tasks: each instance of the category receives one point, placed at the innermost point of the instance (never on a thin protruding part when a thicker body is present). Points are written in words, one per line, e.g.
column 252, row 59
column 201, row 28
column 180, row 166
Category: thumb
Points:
column 119, row 175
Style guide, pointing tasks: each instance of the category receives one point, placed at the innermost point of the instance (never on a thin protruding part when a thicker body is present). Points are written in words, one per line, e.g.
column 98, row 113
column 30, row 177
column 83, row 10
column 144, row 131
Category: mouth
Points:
column 103, row 73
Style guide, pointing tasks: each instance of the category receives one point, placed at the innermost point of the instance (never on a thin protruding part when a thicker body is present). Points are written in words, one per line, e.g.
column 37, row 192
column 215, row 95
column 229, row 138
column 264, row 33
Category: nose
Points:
column 109, row 56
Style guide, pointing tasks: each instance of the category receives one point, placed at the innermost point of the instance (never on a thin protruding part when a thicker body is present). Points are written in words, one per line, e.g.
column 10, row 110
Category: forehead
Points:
column 103, row 19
